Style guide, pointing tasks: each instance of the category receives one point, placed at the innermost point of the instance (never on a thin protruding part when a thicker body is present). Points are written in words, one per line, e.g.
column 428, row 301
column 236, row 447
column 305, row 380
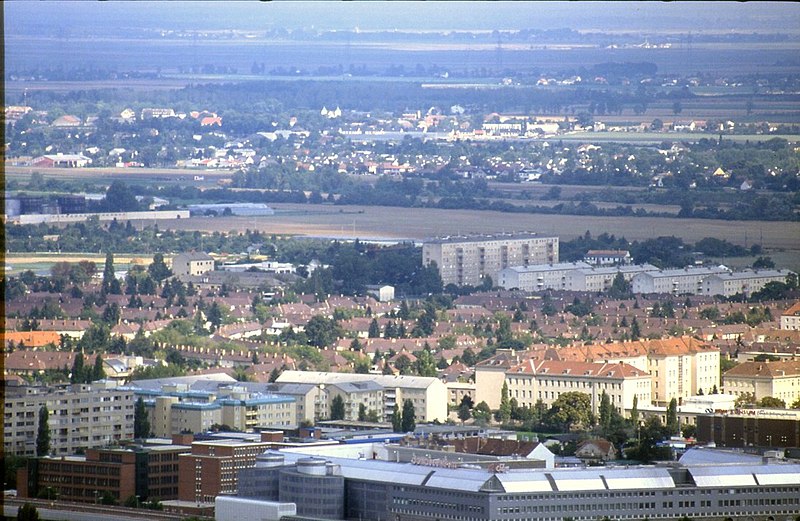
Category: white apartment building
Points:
column 598, row 279
column 468, row 260
column 429, row 395
column 745, row 282
column 80, row 416
column 538, row 277
column 546, row 380
column 686, row 281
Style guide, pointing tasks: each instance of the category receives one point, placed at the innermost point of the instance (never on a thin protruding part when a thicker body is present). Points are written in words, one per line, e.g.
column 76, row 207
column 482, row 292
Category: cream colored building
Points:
column 354, row 394
column 468, row 260
column 192, row 264
column 546, row 380
column 429, row 395
column 776, row 379
column 790, row 319
column 490, row 375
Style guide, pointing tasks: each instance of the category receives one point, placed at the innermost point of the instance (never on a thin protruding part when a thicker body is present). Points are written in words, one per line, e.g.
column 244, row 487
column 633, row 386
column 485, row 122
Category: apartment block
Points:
column 686, row 281
column 81, row 416
column 779, row 379
column 429, row 395
column 538, row 277
column 744, row 282
column 546, row 380
column 466, row 261
column 176, row 406
column 597, row 279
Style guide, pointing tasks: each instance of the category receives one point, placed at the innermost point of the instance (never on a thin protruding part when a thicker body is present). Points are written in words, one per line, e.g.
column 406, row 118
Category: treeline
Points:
column 663, row 252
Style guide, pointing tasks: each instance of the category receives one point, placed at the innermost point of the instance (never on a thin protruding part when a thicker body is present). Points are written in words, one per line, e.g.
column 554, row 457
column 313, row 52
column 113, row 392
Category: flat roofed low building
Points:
column 434, row 490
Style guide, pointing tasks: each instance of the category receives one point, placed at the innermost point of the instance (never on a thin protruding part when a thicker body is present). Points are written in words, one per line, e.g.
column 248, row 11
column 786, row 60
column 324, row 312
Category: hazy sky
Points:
column 23, row 16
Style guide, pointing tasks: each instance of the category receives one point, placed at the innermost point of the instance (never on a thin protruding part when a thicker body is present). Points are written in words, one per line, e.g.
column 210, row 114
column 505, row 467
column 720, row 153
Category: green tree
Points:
column 27, row 512
column 620, row 288
column 337, row 408
column 605, row 412
column 409, row 422
column 464, row 412
column 426, row 322
column 397, row 419
column 321, row 332
column 636, row 332
column 215, row 315
column 504, row 413
column 572, row 410
column 482, row 413
column 108, row 273
column 78, row 373
column 98, row 373
column 374, row 329
column 141, row 424
column 158, row 268
column 772, row 402
column 43, row 432
column 673, row 426
column 634, row 418
column 426, row 363
column 362, row 412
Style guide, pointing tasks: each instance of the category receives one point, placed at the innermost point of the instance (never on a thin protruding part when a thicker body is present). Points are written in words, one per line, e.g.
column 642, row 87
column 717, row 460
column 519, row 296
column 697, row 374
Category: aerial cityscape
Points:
column 401, row 261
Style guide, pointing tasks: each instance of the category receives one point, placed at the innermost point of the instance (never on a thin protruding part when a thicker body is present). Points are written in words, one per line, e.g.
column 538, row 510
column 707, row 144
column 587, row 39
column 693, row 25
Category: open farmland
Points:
column 419, row 223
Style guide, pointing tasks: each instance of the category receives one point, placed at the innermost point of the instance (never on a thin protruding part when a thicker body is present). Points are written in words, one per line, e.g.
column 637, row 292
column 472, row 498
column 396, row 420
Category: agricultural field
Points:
column 375, row 222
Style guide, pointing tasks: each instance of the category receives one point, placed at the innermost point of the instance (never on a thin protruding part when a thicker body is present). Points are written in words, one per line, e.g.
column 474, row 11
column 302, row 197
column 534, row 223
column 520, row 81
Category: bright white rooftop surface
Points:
column 630, row 479
column 525, row 482
column 721, row 476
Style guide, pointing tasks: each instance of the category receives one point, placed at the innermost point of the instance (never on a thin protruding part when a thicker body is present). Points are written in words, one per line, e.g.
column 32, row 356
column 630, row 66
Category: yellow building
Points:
column 546, row 380
column 777, row 379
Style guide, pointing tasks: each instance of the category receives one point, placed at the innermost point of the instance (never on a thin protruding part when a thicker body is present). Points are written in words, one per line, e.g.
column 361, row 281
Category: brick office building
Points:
column 150, row 472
